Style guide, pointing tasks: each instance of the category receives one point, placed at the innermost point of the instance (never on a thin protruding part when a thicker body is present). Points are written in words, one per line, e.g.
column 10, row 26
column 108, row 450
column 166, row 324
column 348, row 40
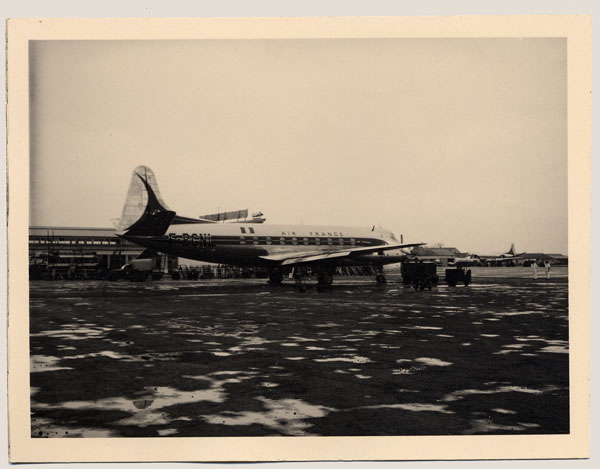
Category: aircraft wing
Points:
column 293, row 258
column 504, row 258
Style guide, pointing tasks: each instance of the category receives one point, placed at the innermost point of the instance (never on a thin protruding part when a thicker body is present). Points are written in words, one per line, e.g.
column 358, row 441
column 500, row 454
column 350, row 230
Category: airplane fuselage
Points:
column 248, row 244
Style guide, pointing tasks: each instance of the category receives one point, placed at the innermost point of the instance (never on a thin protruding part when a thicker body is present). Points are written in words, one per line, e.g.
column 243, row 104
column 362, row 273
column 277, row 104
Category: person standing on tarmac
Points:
column 534, row 267
column 547, row 267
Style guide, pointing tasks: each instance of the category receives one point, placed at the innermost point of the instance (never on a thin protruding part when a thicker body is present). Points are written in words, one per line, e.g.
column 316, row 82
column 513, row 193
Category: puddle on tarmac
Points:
column 551, row 346
column 554, row 349
column 74, row 332
column 148, row 407
column 405, row 371
column 167, row 432
column 328, row 324
column 302, row 339
column 105, row 353
column 432, row 361
column 504, row 411
column 456, row 395
column 40, row 363
column 487, row 426
column 206, row 294
column 285, row 416
column 517, row 313
column 412, row 407
column 146, row 410
column 379, row 315
column 45, row 428
column 352, row 359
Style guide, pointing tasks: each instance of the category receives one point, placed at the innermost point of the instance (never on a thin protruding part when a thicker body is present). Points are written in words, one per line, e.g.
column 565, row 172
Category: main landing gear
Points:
column 275, row 277
column 324, row 279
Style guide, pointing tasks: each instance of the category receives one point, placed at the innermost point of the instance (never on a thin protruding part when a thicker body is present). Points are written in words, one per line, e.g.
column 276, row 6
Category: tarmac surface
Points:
column 242, row 358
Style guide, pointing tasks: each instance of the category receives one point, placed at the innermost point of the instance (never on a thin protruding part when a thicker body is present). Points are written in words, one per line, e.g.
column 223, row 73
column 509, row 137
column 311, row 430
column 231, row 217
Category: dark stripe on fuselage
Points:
column 206, row 240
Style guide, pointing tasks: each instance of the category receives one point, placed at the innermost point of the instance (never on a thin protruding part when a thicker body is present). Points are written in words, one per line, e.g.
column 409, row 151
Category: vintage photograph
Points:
column 298, row 237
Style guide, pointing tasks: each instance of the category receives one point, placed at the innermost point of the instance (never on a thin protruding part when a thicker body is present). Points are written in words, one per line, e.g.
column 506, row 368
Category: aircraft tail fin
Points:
column 138, row 197
column 511, row 251
column 145, row 213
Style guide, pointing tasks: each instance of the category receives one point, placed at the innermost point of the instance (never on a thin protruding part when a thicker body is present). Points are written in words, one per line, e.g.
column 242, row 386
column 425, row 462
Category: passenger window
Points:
column 352, row 241
column 242, row 240
column 341, row 241
column 294, row 241
column 282, row 240
column 305, row 241
column 255, row 240
column 330, row 241
column 317, row 241
column 269, row 241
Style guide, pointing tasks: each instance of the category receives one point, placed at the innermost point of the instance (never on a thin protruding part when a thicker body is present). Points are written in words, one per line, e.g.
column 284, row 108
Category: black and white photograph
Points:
column 298, row 237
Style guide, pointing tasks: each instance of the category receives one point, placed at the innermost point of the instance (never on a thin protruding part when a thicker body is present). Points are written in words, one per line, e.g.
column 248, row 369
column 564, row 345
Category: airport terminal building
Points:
column 83, row 250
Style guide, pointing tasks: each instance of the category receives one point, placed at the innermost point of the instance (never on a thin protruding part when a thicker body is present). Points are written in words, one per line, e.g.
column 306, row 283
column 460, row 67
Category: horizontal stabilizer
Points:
column 222, row 216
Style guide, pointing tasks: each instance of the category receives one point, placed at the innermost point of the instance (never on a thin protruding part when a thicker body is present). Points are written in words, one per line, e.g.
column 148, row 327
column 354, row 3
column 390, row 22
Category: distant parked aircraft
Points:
column 507, row 257
column 278, row 248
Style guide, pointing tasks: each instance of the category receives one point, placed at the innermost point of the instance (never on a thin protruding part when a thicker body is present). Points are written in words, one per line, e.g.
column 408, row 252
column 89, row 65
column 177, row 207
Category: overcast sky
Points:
column 454, row 141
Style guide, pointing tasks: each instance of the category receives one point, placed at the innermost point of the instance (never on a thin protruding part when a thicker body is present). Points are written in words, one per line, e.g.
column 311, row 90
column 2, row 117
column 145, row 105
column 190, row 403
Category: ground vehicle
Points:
column 460, row 274
column 67, row 265
column 420, row 275
column 137, row 270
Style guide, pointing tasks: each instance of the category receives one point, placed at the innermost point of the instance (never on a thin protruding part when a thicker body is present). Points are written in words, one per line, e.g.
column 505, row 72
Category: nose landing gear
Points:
column 380, row 277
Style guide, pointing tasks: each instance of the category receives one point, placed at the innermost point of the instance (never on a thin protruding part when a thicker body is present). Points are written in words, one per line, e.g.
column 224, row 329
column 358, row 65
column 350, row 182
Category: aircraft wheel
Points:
column 275, row 278
column 324, row 279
